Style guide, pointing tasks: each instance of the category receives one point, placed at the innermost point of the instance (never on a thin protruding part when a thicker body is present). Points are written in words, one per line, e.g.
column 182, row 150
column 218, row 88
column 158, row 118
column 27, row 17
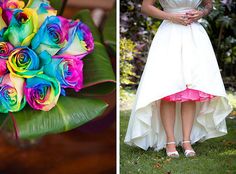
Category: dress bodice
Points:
column 179, row 5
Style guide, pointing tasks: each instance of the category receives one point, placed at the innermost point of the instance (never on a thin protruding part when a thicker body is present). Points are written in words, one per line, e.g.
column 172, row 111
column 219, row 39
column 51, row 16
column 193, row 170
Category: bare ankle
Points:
column 186, row 138
column 170, row 139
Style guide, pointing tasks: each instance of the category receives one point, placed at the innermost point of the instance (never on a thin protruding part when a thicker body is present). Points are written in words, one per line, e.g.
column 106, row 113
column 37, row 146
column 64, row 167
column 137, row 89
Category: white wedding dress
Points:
column 179, row 57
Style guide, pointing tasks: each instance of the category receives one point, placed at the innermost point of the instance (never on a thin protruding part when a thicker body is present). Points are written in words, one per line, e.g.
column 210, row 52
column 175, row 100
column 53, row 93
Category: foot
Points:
column 171, row 150
column 188, row 150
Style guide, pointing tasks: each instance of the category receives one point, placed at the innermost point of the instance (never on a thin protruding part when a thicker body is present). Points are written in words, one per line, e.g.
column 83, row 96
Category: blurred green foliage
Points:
column 220, row 26
column 128, row 77
column 139, row 28
column 127, row 53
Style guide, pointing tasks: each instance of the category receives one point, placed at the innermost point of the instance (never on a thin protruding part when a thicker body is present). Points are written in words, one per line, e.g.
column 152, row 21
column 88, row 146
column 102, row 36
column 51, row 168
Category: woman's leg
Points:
column 167, row 111
column 187, row 114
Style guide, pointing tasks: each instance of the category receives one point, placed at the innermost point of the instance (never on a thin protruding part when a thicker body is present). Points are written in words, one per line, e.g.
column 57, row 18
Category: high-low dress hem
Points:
column 150, row 135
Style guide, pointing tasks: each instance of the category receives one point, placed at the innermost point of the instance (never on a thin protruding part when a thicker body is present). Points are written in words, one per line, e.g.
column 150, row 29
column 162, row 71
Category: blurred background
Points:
column 137, row 32
column 90, row 148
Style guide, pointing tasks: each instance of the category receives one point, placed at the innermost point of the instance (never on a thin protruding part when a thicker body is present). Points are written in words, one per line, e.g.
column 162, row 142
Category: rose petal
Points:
column 11, row 94
column 42, row 92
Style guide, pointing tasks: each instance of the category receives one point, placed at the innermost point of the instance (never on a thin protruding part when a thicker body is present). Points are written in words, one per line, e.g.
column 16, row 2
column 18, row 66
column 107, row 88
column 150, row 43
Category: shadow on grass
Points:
column 217, row 155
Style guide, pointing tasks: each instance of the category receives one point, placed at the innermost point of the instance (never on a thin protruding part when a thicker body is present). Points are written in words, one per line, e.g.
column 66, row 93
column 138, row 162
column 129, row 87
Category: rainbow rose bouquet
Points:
column 41, row 55
column 46, row 55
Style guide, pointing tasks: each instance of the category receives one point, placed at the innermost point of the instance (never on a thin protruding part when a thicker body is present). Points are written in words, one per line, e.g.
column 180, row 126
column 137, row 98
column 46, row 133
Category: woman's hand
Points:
column 187, row 18
column 180, row 19
column 194, row 15
column 148, row 8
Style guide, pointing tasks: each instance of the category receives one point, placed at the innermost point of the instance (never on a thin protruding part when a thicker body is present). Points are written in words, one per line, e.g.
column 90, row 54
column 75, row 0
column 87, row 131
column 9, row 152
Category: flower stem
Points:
column 63, row 7
column 14, row 125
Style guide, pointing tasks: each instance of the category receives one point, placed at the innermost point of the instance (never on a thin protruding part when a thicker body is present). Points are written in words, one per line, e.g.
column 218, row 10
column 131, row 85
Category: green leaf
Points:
column 109, row 30
column 26, row 1
column 102, row 88
column 2, row 118
column 68, row 114
column 98, row 70
column 56, row 4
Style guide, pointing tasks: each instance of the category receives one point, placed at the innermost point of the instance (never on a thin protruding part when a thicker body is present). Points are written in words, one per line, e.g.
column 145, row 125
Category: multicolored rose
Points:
column 24, row 62
column 5, row 49
column 43, row 10
column 2, row 21
column 11, row 94
column 80, row 41
column 22, row 28
column 36, row 3
column 3, row 67
column 12, row 4
column 42, row 92
column 52, row 35
column 5, row 19
column 67, row 70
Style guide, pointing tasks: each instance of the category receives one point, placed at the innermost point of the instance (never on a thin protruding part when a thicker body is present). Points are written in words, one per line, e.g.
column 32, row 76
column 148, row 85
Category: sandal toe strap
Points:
column 187, row 152
column 172, row 153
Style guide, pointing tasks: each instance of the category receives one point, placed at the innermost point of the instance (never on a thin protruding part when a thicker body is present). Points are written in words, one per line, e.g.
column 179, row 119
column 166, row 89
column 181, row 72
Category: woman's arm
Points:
column 194, row 15
column 207, row 7
column 149, row 9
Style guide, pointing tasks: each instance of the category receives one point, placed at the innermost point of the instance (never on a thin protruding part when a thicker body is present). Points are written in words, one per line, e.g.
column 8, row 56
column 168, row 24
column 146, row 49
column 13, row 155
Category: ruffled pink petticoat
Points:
column 189, row 95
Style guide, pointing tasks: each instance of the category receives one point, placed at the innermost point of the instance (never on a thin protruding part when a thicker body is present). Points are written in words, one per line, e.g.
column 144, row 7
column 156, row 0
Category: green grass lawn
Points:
column 214, row 156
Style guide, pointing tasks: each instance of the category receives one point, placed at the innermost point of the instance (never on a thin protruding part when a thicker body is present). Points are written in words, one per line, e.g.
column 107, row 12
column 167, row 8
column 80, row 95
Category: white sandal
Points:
column 173, row 154
column 188, row 152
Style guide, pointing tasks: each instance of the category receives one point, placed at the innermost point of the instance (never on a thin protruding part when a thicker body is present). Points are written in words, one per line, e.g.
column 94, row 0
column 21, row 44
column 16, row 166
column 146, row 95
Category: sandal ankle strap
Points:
column 172, row 142
column 187, row 141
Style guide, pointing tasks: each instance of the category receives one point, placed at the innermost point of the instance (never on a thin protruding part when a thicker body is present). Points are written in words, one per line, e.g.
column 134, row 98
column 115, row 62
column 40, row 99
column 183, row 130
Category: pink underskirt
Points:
column 189, row 95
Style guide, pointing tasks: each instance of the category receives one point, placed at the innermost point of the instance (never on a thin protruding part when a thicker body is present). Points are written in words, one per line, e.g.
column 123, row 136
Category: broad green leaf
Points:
column 97, row 67
column 57, row 4
column 109, row 30
column 102, row 88
column 98, row 70
column 68, row 114
column 2, row 118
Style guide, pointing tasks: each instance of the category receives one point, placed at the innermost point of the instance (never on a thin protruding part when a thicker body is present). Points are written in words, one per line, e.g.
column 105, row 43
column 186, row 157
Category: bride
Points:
column 181, row 97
